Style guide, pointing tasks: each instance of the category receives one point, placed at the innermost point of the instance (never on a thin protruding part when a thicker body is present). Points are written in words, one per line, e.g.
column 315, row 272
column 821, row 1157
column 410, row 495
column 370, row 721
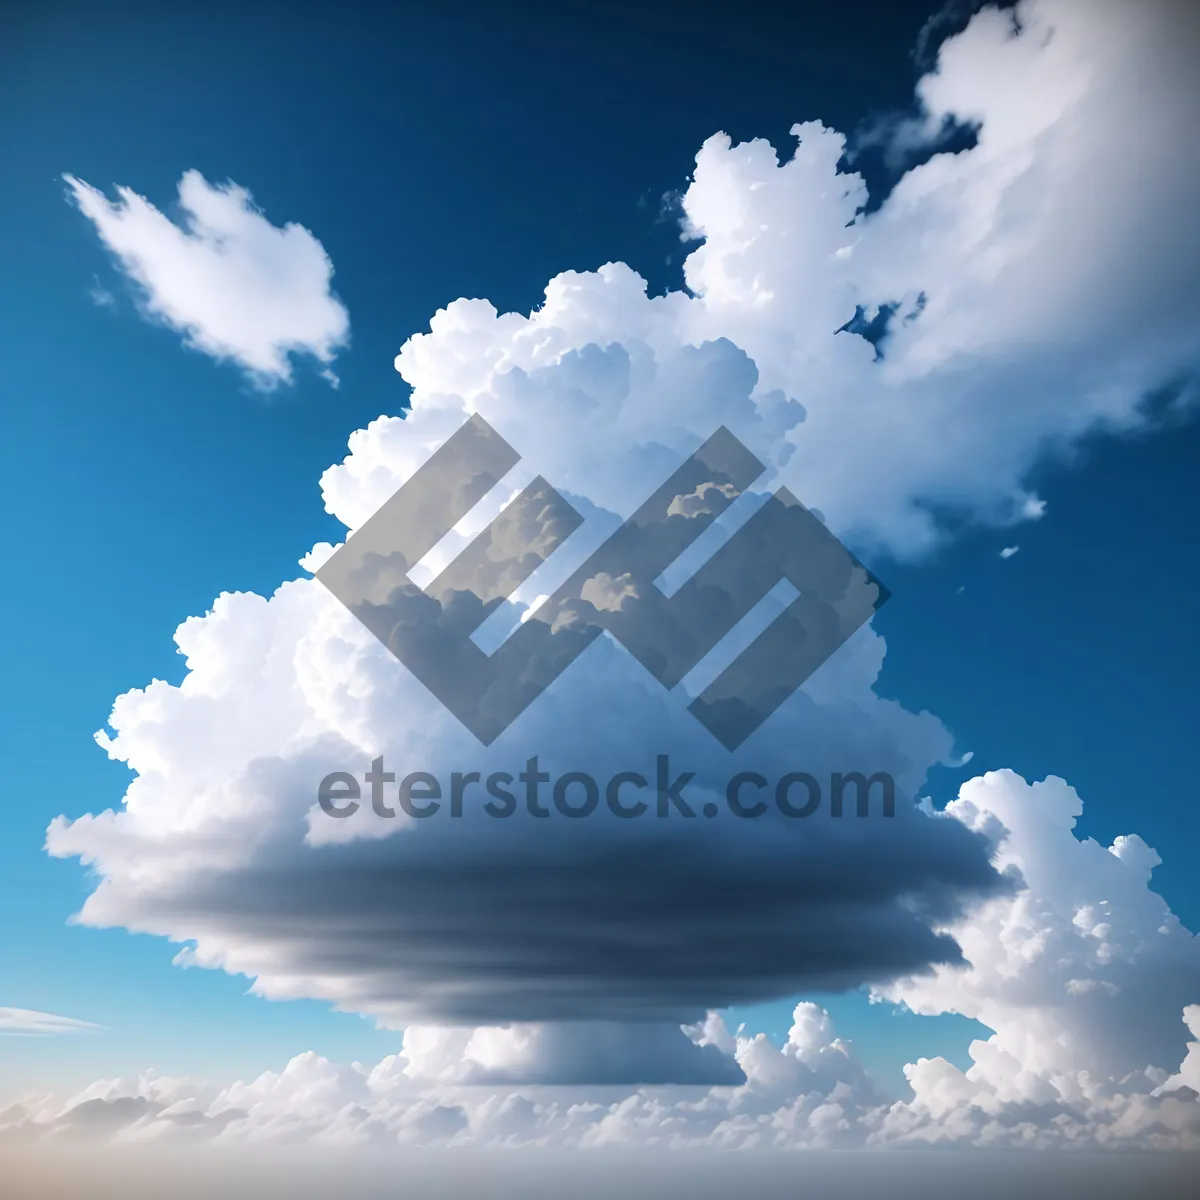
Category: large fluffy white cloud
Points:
column 237, row 287
column 1085, row 969
column 1039, row 297
column 482, row 920
column 1085, row 975
column 1044, row 284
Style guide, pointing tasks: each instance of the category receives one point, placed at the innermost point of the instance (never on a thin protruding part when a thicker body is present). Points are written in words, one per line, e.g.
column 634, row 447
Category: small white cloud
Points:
column 317, row 557
column 1033, row 508
column 28, row 1021
column 1009, row 551
column 532, row 609
column 235, row 286
column 608, row 594
column 101, row 296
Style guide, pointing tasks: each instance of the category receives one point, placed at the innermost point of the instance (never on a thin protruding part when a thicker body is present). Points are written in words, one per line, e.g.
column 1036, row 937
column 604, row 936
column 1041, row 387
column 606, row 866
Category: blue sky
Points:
column 437, row 155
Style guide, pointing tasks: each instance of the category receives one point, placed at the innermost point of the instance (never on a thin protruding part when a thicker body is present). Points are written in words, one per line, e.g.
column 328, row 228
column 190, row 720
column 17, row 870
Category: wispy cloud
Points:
column 40, row 1024
column 101, row 296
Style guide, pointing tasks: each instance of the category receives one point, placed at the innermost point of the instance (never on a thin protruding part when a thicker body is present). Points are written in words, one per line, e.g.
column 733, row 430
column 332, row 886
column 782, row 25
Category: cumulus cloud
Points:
column 1034, row 299
column 235, row 286
column 1039, row 288
column 1009, row 551
column 480, row 920
column 1084, row 974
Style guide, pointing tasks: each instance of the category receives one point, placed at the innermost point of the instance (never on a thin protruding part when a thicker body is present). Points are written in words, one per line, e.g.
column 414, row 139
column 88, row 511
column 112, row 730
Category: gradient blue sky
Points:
column 441, row 153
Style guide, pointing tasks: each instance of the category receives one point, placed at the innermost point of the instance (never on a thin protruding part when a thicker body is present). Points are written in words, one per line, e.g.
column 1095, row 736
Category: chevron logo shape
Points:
column 615, row 591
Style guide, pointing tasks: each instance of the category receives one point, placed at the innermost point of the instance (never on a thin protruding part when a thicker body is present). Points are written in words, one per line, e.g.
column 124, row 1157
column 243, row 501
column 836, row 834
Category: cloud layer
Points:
column 1080, row 973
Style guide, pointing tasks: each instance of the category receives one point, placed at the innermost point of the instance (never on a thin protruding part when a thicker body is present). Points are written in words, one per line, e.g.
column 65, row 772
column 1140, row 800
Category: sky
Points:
column 936, row 269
